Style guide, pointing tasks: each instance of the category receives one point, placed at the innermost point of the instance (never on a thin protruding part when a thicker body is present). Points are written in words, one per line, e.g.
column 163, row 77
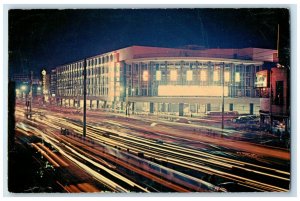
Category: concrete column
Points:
column 132, row 107
column 163, row 107
column 151, row 107
column 181, row 107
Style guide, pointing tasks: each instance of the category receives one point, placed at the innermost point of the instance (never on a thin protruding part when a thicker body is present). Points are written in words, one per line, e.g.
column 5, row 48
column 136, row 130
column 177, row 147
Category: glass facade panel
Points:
column 189, row 75
column 158, row 75
column 173, row 75
column 237, row 77
column 203, row 75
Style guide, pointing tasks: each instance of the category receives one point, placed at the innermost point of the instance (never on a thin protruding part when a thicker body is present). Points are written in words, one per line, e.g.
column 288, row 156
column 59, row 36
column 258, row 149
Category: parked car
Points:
column 242, row 119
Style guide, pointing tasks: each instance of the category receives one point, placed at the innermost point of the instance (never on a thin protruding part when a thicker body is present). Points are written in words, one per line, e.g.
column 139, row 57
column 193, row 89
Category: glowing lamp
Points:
column 23, row 88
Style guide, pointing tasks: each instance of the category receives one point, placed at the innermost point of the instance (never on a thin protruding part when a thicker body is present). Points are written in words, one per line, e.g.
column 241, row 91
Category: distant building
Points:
column 53, row 83
column 166, row 80
column 23, row 84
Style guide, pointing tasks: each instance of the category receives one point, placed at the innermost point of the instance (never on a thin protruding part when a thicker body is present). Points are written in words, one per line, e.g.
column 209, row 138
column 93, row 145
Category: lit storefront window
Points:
column 227, row 76
column 237, row 77
column 145, row 75
column 158, row 75
column 173, row 75
column 189, row 75
column 203, row 75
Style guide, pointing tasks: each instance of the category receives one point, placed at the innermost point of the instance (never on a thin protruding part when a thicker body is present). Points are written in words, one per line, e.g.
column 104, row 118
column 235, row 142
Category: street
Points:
column 149, row 153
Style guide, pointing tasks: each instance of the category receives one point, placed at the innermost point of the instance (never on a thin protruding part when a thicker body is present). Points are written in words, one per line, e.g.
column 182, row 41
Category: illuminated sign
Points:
column 262, row 79
column 44, row 82
column 191, row 90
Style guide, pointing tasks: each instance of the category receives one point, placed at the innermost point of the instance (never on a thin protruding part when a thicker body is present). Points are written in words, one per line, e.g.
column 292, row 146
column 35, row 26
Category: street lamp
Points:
column 23, row 87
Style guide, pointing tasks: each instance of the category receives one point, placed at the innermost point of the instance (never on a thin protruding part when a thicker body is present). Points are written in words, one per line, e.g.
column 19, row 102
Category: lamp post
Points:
column 223, row 81
column 23, row 89
column 132, row 105
column 126, row 101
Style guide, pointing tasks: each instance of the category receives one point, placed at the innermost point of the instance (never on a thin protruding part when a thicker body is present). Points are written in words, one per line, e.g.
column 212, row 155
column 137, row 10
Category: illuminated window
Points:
column 158, row 75
column 203, row 75
column 145, row 75
column 237, row 77
column 173, row 75
column 216, row 75
column 189, row 75
column 227, row 76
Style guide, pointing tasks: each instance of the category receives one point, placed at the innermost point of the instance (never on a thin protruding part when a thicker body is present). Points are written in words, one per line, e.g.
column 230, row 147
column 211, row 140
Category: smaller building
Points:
column 274, row 91
column 23, row 85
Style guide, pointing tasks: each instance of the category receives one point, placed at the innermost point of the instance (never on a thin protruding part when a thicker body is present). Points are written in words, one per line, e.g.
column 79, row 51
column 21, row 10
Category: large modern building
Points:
column 166, row 80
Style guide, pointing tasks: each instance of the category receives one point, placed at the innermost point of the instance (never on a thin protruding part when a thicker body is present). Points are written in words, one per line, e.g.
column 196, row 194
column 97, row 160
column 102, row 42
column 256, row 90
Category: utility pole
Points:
column 271, row 101
column 30, row 104
column 84, row 98
column 223, row 80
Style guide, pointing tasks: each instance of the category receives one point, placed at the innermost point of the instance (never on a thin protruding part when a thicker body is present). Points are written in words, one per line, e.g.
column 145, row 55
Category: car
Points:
column 242, row 119
column 159, row 141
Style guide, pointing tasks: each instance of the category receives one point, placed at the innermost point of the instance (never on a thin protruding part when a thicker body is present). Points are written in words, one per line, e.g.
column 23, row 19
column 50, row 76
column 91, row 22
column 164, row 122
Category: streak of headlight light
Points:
column 92, row 172
column 107, row 170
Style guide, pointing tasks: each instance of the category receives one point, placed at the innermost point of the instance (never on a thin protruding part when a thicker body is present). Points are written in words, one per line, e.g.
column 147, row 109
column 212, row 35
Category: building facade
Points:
column 53, row 82
column 166, row 80
column 274, row 88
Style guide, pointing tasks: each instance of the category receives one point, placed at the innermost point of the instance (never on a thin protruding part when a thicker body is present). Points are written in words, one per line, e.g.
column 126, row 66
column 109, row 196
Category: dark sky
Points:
column 47, row 38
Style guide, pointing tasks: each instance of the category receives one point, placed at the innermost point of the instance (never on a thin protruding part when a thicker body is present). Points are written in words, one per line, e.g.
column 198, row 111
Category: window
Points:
column 173, row 75
column 227, row 76
column 145, row 75
column 216, row 75
column 203, row 75
column 158, row 75
column 237, row 77
column 189, row 75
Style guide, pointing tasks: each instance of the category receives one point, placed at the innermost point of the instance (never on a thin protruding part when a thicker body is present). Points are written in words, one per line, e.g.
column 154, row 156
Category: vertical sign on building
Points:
column 44, row 81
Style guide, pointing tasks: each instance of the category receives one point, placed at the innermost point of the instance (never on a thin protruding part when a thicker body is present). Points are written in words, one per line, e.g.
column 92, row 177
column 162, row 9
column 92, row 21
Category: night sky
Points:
column 47, row 38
